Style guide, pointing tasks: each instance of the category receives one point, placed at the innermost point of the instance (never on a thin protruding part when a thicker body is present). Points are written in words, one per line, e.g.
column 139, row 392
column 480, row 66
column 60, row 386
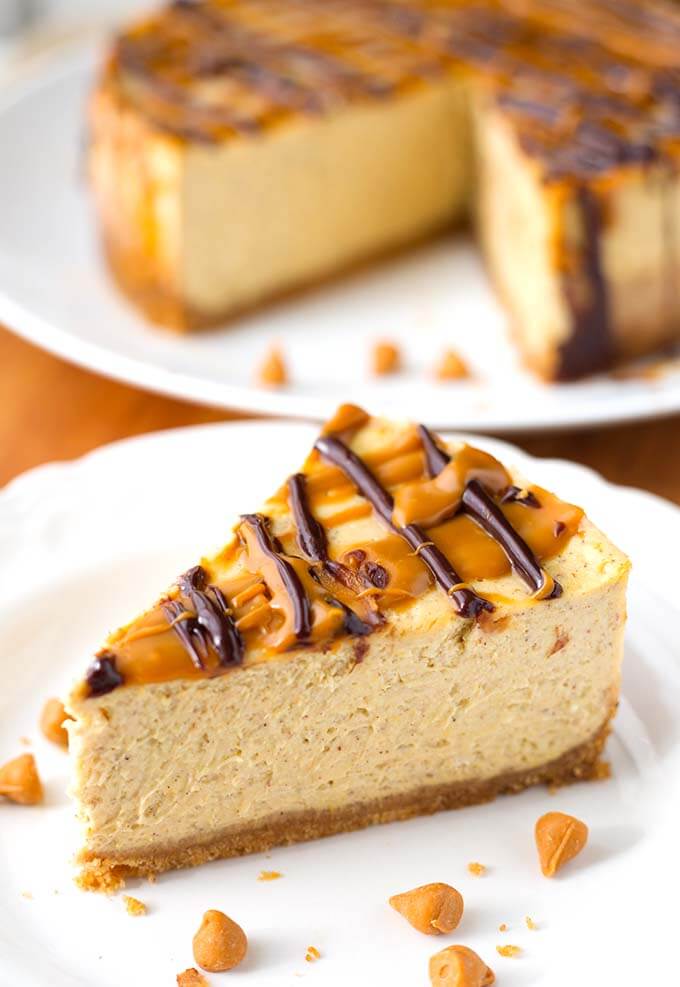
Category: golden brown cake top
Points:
column 589, row 84
column 379, row 519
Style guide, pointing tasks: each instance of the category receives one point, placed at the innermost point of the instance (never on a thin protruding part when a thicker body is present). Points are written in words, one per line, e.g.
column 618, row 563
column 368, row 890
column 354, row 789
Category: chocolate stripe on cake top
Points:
column 188, row 631
column 212, row 615
column 435, row 457
column 102, row 676
column 478, row 505
column 310, row 534
column 467, row 602
column 302, row 620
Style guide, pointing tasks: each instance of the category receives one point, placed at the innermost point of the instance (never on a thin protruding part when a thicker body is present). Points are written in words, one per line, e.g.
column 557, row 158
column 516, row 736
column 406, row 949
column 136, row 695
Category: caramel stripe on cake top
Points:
column 467, row 602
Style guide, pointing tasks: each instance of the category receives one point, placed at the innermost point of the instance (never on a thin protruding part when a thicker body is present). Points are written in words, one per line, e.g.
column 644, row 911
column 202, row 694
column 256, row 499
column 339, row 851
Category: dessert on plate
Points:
column 406, row 625
column 244, row 148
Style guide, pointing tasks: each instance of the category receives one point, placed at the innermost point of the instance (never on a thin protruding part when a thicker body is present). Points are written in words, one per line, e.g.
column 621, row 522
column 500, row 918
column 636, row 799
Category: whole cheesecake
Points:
column 243, row 148
column 405, row 626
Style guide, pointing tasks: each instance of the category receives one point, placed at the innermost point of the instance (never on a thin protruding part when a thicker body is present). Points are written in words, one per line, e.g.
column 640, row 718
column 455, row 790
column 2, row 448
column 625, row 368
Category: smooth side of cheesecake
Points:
column 408, row 697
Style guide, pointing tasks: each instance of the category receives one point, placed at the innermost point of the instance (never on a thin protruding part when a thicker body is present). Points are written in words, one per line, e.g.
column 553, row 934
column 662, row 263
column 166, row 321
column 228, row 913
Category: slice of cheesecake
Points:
column 405, row 626
column 241, row 150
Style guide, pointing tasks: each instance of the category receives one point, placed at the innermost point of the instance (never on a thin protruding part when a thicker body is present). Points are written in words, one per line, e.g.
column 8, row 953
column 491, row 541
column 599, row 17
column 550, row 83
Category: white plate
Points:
column 54, row 290
column 83, row 544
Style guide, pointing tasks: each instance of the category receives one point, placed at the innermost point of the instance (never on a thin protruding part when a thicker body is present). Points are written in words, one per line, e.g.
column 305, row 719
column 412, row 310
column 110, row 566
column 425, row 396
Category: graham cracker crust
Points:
column 101, row 873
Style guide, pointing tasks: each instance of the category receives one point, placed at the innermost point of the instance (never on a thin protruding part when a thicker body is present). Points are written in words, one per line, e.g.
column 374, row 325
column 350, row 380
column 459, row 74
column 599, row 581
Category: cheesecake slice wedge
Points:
column 406, row 625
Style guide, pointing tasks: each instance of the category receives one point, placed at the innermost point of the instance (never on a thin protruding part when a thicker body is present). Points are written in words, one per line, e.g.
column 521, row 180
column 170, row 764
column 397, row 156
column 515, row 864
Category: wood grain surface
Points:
column 53, row 410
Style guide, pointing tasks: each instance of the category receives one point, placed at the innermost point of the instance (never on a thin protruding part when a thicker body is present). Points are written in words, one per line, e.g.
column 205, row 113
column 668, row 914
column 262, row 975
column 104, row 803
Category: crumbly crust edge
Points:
column 108, row 873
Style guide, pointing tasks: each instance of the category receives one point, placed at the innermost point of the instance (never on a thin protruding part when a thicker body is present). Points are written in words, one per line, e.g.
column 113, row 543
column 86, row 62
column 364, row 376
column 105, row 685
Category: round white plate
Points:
column 83, row 545
column 55, row 291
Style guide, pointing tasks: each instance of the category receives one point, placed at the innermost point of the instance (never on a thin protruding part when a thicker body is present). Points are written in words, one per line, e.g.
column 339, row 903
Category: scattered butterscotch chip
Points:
column 312, row 954
column 451, row 366
column 134, row 906
column 385, row 358
column 52, row 720
column 269, row 875
column 219, row 944
column 459, row 966
column 272, row 371
column 191, row 978
column 559, row 838
column 502, row 927
column 530, row 923
column 433, row 908
column 477, row 870
column 19, row 781
column 508, row 950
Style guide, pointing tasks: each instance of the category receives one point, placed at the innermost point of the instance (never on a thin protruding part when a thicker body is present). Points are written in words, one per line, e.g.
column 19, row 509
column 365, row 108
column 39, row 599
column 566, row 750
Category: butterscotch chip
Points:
column 219, row 944
column 134, row 906
column 508, row 950
column 52, row 722
column 191, row 978
column 451, row 366
column 477, row 870
column 559, row 838
column 272, row 371
column 459, row 966
column 433, row 908
column 19, row 781
column 312, row 954
column 385, row 359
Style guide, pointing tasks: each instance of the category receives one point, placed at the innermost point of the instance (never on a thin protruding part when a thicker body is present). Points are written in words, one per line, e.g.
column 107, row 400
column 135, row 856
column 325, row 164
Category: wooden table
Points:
column 53, row 410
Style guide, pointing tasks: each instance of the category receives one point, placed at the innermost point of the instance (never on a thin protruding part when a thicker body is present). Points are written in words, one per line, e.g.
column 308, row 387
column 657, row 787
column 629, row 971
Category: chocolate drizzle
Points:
column 311, row 536
column 302, row 619
column 590, row 346
column 435, row 457
column 467, row 602
column 515, row 495
column 477, row 504
column 102, row 676
column 212, row 616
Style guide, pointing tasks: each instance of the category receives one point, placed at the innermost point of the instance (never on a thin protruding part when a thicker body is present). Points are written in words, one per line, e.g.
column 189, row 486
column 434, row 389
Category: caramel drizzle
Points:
column 477, row 504
column 302, row 620
column 467, row 602
column 209, row 623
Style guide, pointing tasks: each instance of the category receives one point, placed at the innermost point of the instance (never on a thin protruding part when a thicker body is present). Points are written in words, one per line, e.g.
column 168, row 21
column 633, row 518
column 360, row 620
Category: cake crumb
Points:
column 269, row 875
column 272, row 371
column 191, row 978
column 502, row 927
column 134, row 906
column 385, row 358
column 25, row 741
column 313, row 954
column 451, row 366
column 508, row 950
column 602, row 771
column 28, row 895
column 477, row 870
column 530, row 923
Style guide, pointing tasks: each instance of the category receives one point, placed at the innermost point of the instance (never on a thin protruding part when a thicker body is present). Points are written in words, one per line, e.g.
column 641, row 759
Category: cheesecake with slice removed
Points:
column 241, row 150
column 406, row 625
